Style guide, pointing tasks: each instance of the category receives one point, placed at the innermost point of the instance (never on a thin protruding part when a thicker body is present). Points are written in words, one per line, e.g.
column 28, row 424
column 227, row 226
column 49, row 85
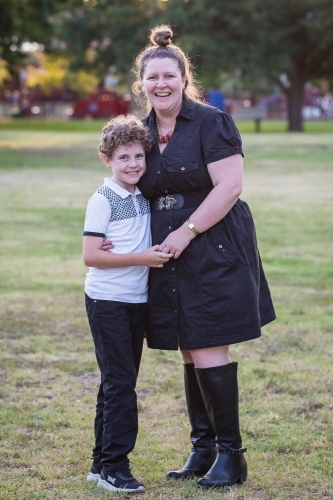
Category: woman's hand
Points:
column 176, row 242
column 107, row 245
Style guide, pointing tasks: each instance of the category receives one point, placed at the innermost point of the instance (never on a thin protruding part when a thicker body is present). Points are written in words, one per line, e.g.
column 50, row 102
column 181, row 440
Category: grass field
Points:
column 276, row 126
column 48, row 374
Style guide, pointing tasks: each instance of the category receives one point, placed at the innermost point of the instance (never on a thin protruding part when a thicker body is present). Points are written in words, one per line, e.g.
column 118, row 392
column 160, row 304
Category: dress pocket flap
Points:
column 222, row 244
column 180, row 168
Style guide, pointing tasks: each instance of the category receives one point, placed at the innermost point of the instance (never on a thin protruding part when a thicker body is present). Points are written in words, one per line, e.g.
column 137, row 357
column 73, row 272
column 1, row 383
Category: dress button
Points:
column 173, row 289
column 220, row 246
column 176, row 310
column 173, row 269
column 183, row 168
column 170, row 227
column 166, row 191
column 159, row 172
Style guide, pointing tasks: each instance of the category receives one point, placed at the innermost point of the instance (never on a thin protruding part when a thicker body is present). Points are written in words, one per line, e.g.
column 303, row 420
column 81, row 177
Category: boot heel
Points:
column 242, row 479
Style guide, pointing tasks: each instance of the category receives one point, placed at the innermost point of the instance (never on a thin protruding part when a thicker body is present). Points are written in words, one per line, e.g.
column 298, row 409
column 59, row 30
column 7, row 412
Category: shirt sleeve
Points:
column 221, row 138
column 97, row 216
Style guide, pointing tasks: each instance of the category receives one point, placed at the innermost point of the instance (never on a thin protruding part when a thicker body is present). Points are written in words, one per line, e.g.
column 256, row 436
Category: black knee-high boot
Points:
column 219, row 388
column 202, row 433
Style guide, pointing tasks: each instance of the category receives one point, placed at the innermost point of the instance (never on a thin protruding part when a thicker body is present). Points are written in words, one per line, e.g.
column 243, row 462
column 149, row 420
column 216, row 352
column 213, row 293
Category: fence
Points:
column 45, row 109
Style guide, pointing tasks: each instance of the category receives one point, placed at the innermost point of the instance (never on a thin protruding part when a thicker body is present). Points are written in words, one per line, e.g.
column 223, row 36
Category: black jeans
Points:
column 118, row 330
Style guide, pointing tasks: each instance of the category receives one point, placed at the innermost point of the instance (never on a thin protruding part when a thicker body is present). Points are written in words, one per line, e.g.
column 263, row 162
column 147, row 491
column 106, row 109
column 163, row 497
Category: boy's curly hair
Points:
column 124, row 130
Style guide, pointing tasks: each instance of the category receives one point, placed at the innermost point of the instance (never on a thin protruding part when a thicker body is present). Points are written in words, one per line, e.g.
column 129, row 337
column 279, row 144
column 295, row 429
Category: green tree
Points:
column 292, row 38
column 264, row 38
column 25, row 20
column 52, row 71
column 100, row 33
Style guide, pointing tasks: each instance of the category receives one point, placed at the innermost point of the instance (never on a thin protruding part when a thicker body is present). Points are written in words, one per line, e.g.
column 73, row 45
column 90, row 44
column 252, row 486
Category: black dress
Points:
column 216, row 292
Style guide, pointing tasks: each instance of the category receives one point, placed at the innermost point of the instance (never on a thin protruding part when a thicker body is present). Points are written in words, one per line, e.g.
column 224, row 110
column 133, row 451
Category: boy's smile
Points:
column 128, row 164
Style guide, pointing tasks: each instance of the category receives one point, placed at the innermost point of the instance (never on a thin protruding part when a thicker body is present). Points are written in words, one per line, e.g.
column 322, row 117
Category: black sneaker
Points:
column 121, row 480
column 95, row 472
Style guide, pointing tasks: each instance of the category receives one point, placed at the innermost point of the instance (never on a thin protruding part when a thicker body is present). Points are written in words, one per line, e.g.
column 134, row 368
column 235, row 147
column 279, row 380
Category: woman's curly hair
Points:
column 121, row 131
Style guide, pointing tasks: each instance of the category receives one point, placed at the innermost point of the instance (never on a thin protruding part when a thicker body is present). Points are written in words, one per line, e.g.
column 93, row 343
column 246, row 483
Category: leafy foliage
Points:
column 263, row 38
column 25, row 20
column 4, row 73
column 53, row 72
column 106, row 34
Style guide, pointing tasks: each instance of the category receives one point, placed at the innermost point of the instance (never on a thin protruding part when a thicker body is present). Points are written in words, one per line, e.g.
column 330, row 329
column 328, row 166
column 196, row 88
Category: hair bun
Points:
column 161, row 36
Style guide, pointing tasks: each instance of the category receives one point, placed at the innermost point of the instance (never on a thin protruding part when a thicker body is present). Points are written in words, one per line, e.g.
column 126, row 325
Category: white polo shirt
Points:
column 123, row 218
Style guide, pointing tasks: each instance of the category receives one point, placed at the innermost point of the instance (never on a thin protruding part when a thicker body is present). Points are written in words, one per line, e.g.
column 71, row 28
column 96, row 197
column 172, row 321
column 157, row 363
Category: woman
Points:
column 213, row 293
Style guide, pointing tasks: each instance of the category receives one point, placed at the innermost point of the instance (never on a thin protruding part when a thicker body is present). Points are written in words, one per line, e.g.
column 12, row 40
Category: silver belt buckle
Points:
column 166, row 202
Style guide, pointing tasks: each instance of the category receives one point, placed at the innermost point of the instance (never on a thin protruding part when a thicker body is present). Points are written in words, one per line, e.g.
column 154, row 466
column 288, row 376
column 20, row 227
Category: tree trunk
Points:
column 294, row 95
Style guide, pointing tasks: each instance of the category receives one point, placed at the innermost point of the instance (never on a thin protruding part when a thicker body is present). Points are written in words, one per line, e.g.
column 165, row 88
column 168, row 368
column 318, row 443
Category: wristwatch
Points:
column 191, row 226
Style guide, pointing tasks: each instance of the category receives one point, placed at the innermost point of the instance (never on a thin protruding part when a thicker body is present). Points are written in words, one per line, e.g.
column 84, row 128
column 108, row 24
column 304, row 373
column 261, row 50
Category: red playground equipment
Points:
column 101, row 104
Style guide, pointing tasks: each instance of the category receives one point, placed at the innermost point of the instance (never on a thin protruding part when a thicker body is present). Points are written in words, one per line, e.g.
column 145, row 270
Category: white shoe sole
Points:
column 93, row 477
column 107, row 486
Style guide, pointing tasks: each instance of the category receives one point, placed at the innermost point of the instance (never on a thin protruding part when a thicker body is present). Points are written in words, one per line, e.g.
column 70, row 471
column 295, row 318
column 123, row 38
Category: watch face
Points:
column 191, row 226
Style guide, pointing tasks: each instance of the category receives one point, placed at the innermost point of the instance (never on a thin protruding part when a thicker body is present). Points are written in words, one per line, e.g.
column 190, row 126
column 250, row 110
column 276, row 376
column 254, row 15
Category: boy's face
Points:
column 128, row 164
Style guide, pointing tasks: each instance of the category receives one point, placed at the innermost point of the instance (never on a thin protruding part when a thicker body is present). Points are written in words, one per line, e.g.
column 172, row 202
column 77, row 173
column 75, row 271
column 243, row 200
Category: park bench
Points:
column 255, row 113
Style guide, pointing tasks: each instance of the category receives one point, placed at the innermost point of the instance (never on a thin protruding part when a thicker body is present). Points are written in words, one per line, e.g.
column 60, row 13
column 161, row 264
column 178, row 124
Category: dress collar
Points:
column 187, row 110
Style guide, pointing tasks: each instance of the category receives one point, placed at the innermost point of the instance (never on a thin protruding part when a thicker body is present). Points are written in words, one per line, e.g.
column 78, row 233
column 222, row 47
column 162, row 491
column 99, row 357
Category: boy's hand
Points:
column 153, row 258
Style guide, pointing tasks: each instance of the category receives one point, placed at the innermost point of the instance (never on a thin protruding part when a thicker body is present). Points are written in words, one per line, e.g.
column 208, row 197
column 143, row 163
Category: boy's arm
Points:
column 94, row 256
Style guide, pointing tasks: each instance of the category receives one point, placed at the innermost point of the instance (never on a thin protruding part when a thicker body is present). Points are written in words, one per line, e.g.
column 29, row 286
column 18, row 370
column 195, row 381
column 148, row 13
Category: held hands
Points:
column 154, row 258
column 173, row 245
column 176, row 242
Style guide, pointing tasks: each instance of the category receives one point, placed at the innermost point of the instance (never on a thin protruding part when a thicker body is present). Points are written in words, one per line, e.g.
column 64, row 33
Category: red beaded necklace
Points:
column 164, row 139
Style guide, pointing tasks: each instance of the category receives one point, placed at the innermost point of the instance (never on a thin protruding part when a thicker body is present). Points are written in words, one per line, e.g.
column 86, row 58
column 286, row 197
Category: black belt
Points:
column 177, row 201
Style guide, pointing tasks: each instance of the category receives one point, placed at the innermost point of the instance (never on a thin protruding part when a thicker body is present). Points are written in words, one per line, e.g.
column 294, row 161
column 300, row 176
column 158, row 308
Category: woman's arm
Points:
column 227, row 179
column 94, row 256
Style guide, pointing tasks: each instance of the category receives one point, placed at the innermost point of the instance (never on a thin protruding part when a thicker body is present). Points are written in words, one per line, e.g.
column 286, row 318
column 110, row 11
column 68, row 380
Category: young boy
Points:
column 116, row 295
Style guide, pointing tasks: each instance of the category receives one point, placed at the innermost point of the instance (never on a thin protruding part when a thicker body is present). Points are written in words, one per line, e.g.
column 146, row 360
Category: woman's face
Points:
column 163, row 85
